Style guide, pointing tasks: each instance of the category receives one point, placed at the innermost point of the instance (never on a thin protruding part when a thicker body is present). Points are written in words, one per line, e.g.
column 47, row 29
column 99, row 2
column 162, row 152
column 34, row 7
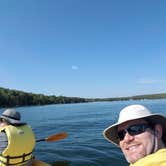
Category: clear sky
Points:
column 83, row 48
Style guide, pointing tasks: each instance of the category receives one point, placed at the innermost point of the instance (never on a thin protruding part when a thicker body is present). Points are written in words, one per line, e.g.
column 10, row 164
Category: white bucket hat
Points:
column 12, row 116
column 134, row 112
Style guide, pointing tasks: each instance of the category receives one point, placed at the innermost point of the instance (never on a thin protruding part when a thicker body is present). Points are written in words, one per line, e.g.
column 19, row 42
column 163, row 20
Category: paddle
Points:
column 55, row 137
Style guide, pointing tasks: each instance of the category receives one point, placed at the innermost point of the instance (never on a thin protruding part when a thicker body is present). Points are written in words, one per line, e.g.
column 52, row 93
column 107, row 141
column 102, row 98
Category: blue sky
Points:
column 83, row 48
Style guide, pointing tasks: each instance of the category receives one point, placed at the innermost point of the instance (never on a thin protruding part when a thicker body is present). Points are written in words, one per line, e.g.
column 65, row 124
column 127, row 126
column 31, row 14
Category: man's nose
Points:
column 128, row 137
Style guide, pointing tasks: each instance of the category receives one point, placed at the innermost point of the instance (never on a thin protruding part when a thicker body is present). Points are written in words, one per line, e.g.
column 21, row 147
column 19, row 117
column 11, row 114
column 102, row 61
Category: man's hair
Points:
column 152, row 124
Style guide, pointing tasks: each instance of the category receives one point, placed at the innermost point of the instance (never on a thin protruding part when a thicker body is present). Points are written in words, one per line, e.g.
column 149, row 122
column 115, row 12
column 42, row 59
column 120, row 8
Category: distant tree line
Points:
column 138, row 97
column 13, row 98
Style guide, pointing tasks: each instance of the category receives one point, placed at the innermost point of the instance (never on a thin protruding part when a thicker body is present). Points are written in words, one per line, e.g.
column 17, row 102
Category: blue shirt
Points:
column 3, row 141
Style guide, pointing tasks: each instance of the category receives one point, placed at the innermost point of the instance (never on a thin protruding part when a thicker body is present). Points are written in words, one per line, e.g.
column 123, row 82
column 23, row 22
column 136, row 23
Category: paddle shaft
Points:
column 55, row 137
column 39, row 140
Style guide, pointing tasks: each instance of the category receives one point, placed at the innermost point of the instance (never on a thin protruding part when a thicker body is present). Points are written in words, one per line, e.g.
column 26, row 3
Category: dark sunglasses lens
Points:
column 137, row 129
column 133, row 130
column 121, row 134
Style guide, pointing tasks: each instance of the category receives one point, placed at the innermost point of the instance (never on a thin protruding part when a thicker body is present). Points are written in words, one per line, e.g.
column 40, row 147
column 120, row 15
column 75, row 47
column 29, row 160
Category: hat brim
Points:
column 12, row 121
column 110, row 133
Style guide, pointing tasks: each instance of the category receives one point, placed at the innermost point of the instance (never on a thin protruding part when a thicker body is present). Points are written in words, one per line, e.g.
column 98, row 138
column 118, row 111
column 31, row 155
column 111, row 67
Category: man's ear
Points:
column 158, row 131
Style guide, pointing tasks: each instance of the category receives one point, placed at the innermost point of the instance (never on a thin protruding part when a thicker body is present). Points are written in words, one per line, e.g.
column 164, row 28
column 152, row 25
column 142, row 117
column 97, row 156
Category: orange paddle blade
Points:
column 56, row 137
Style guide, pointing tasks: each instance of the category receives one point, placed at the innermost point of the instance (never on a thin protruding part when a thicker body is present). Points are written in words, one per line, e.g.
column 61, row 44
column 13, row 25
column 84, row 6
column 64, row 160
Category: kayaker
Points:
column 17, row 140
column 141, row 136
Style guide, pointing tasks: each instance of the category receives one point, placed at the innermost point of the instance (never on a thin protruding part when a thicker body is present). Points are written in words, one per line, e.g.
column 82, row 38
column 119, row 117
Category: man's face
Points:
column 137, row 146
column 3, row 123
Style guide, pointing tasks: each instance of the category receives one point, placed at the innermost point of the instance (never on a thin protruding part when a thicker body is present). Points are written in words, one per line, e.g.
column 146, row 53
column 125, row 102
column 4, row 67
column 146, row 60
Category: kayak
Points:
column 55, row 137
column 37, row 162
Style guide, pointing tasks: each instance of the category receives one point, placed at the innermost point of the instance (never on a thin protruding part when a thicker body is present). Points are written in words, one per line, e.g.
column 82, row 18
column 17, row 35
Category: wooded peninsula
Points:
column 16, row 98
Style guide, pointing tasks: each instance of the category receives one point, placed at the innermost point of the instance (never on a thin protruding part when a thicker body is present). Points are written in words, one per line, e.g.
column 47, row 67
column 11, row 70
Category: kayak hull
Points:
column 37, row 162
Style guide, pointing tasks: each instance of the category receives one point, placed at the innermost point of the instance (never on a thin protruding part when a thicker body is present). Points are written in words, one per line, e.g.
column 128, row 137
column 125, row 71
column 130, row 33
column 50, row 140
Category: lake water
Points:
column 84, row 123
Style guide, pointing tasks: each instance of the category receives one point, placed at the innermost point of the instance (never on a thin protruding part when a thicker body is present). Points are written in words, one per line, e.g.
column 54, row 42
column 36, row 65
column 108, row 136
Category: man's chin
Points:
column 132, row 158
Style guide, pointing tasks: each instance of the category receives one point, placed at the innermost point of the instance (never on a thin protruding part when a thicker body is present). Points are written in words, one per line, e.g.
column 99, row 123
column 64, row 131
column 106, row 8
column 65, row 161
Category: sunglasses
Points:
column 133, row 130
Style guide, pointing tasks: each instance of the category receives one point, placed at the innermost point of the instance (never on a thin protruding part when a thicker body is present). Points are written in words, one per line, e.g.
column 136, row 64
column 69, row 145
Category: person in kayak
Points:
column 141, row 136
column 17, row 140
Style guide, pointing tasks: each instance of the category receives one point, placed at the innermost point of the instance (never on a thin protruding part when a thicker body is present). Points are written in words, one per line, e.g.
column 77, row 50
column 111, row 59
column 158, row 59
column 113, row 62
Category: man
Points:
column 17, row 140
column 141, row 136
